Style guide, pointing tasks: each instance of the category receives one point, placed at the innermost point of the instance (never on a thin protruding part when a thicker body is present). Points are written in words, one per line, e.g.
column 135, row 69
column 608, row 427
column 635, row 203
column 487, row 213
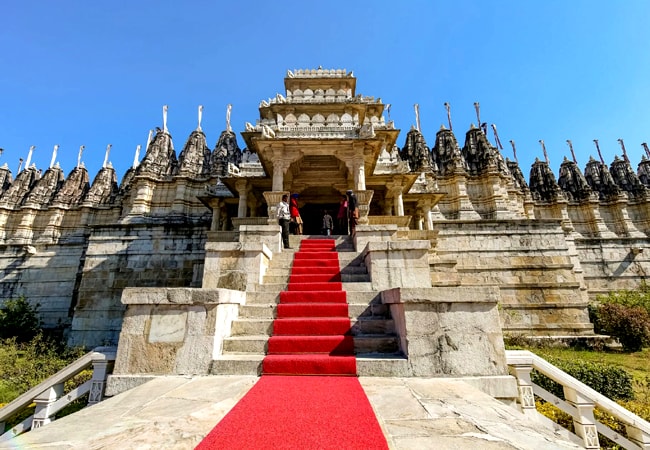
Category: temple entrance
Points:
column 312, row 216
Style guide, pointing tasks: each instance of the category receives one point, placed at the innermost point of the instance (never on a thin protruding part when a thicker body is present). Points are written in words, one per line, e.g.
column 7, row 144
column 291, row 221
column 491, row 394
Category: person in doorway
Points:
column 295, row 215
column 284, row 217
column 353, row 210
column 342, row 215
column 328, row 224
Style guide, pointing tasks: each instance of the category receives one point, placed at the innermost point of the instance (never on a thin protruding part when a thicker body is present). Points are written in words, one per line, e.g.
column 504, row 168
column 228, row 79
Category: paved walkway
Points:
column 177, row 412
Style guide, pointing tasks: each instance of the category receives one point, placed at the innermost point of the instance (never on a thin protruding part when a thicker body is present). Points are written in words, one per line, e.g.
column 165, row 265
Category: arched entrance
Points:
column 312, row 203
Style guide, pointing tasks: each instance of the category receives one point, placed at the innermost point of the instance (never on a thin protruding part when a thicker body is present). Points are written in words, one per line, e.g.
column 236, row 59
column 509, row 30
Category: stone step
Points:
column 349, row 286
column 286, row 271
column 367, row 365
column 358, row 327
column 345, row 278
column 272, row 296
column 267, row 311
column 367, row 344
column 285, row 259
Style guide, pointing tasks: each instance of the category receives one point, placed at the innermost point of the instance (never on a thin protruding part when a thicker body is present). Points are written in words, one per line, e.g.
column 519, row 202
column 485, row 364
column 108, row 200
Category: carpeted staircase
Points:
column 311, row 333
column 284, row 294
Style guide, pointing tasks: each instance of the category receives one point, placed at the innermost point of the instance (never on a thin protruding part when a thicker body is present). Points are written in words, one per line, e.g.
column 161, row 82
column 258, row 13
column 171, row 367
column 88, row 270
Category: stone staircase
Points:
column 375, row 342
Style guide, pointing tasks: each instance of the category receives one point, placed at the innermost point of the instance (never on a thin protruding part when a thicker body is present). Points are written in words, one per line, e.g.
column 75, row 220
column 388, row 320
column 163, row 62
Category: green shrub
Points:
column 629, row 324
column 638, row 297
column 612, row 382
column 19, row 319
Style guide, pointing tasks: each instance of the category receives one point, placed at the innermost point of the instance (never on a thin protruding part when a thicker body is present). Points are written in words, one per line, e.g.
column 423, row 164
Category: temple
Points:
column 452, row 220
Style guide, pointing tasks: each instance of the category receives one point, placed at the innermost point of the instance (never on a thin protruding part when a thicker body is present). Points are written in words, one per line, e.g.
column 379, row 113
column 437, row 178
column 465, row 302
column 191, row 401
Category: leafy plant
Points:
column 19, row 320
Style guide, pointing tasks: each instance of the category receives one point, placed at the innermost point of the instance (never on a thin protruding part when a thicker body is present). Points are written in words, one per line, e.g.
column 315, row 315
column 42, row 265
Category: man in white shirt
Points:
column 284, row 217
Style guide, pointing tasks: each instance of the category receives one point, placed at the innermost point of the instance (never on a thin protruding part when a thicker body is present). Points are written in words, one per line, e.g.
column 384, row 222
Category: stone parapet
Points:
column 398, row 264
column 175, row 331
column 448, row 331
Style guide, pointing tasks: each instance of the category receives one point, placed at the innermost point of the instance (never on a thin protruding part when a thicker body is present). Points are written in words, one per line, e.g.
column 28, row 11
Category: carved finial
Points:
column 496, row 137
column 645, row 147
column 387, row 108
column 228, row 110
column 573, row 155
column 108, row 150
column 448, row 108
column 20, row 165
column 600, row 155
column 136, row 158
column 29, row 156
column 198, row 128
column 514, row 151
column 165, row 119
column 620, row 141
column 56, row 149
column 478, row 113
column 417, row 116
column 81, row 150
column 544, row 150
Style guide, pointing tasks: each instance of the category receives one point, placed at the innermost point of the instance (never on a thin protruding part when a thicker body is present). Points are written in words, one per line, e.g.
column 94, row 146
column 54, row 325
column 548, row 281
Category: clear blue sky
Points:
column 92, row 73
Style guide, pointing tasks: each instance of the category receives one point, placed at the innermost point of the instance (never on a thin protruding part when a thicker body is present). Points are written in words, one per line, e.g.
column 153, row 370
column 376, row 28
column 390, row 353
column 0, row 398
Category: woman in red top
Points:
column 295, row 214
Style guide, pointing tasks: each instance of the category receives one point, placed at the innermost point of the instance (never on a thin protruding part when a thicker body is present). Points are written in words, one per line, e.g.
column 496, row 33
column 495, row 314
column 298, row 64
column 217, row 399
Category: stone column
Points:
column 396, row 193
column 272, row 200
column 242, row 190
column 280, row 166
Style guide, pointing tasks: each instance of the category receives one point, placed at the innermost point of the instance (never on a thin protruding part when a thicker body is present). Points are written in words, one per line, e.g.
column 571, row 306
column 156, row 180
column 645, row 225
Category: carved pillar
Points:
column 242, row 189
column 583, row 422
column 395, row 191
column 272, row 200
column 364, row 198
column 280, row 167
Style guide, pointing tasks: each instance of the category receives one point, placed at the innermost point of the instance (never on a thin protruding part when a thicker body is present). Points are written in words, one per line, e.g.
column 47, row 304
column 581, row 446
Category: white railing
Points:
column 580, row 403
column 49, row 396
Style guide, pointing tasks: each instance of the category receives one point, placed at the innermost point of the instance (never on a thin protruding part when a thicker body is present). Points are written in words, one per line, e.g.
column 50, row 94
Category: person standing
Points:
column 295, row 214
column 353, row 210
column 284, row 217
column 328, row 224
column 342, row 215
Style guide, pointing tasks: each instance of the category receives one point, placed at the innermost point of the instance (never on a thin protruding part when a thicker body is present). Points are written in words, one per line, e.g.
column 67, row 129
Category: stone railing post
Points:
column 525, row 388
column 364, row 198
column 638, row 436
column 272, row 199
column 102, row 365
column 584, row 421
column 44, row 402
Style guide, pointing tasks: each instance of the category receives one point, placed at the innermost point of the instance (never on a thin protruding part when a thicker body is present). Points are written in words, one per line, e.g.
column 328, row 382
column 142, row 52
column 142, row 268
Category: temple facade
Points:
column 544, row 247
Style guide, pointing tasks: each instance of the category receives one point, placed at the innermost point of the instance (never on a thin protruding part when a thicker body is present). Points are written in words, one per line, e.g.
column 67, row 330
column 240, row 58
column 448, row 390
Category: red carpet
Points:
column 299, row 413
column 311, row 336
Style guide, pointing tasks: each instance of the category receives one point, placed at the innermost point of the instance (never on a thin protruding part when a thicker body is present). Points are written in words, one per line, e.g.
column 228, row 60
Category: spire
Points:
column 496, row 137
column 108, row 151
column 448, row 108
column 544, row 150
column 56, row 149
column 20, row 165
column 600, row 155
column 165, row 130
column 417, row 116
column 573, row 155
column 148, row 141
column 198, row 128
column 29, row 156
column 620, row 141
column 228, row 110
column 645, row 147
column 136, row 158
column 514, row 151
column 387, row 108
column 81, row 150
column 477, row 107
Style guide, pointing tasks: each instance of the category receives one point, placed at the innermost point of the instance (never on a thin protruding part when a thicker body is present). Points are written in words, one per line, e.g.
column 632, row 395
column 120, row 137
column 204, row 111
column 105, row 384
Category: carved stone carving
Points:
column 543, row 186
column 225, row 151
column 572, row 182
column 74, row 188
column 600, row 180
column 446, row 153
column 160, row 159
column 104, row 187
column 45, row 188
column 626, row 179
column 517, row 176
column 194, row 160
column 480, row 156
column 643, row 171
column 5, row 178
column 416, row 152
column 16, row 193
